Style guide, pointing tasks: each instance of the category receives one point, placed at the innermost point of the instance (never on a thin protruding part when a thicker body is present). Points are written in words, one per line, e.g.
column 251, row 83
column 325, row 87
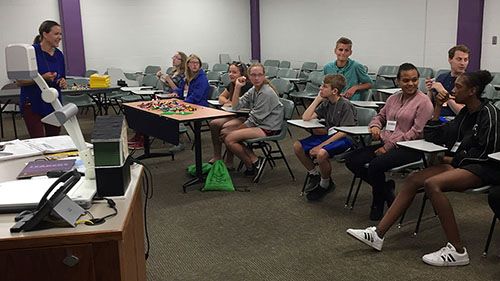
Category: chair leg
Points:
column 490, row 235
column 14, row 124
column 350, row 191
column 1, row 125
column 400, row 223
column 260, row 171
column 306, row 181
column 419, row 220
column 356, row 194
column 286, row 162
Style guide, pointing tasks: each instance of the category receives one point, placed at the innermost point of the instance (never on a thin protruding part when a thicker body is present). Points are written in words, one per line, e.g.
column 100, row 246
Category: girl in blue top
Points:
column 50, row 63
column 195, row 88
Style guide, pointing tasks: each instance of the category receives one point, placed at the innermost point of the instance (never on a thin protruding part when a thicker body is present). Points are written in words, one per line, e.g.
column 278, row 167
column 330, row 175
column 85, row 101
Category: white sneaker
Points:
column 368, row 236
column 447, row 256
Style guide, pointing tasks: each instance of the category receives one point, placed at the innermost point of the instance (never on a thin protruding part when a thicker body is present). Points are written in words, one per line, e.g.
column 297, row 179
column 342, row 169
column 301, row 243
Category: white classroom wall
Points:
column 19, row 22
column 383, row 32
column 490, row 54
column 132, row 34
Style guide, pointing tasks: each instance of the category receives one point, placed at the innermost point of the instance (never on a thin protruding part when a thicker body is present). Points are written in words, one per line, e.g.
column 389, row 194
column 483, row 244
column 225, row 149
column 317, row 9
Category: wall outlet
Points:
column 494, row 40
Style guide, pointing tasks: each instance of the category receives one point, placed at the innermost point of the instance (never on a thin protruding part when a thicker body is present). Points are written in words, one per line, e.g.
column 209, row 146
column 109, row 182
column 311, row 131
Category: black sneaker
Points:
column 319, row 192
column 313, row 182
column 250, row 172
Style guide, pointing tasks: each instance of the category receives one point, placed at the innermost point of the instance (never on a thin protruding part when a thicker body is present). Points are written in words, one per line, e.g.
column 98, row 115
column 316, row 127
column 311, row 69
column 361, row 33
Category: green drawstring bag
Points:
column 218, row 178
column 205, row 168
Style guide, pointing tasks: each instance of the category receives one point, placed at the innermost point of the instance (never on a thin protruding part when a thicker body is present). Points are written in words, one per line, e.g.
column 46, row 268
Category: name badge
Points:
column 390, row 126
column 331, row 131
column 455, row 147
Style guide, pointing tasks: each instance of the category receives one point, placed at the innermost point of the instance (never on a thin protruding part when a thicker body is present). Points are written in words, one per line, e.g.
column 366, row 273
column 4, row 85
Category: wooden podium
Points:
column 110, row 251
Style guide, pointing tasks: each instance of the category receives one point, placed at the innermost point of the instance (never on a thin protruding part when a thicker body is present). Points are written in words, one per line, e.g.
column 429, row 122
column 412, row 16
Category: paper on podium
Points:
column 31, row 147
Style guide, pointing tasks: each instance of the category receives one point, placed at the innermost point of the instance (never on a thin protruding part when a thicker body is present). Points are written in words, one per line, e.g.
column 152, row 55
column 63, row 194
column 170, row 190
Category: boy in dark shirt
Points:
column 325, row 143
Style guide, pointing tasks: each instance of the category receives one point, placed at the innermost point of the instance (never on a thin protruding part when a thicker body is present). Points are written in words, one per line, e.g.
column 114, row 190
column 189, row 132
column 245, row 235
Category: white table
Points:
column 391, row 77
column 215, row 103
column 495, row 156
column 310, row 96
column 390, row 91
column 147, row 92
column 422, row 145
column 311, row 124
column 368, row 104
column 354, row 130
column 131, row 89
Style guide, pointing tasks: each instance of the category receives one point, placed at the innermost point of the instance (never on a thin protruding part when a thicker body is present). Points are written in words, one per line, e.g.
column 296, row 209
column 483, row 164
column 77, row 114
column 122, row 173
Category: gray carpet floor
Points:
column 272, row 233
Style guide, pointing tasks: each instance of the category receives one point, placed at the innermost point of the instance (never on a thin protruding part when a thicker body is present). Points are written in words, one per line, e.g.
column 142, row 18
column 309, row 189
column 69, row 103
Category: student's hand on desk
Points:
column 375, row 131
column 62, row 83
column 380, row 151
column 240, row 82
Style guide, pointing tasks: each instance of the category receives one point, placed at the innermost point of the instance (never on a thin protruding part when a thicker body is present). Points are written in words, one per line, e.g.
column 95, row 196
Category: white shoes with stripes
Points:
column 368, row 236
column 447, row 256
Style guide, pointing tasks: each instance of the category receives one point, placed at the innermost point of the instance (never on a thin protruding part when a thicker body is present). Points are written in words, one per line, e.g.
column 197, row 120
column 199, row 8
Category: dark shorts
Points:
column 488, row 172
column 271, row 132
column 332, row 148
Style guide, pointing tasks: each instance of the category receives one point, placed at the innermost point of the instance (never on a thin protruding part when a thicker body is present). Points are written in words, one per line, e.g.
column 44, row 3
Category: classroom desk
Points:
column 422, row 146
column 355, row 131
column 130, row 89
column 390, row 91
column 241, row 111
column 214, row 103
column 166, row 127
column 368, row 104
column 300, row 95
column 98, row 95
column 391, row 77
column 113, row 250
column 7, row 97
column 311, row 124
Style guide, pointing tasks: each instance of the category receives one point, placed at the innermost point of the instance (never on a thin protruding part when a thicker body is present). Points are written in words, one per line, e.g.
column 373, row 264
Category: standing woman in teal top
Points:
column 50, row 63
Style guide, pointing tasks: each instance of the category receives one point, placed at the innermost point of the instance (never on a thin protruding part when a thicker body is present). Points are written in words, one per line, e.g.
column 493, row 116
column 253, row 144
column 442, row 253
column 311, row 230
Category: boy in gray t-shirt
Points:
column 325, row 143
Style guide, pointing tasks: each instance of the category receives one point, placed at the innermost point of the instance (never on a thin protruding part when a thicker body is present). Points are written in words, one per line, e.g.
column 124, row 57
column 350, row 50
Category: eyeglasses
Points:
column 256, row 74
column 176, row 58
column 194, row 62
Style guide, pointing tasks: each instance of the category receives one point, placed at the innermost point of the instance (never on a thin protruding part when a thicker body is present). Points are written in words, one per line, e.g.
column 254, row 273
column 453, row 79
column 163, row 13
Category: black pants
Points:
column 378, row 165
column 494, row 200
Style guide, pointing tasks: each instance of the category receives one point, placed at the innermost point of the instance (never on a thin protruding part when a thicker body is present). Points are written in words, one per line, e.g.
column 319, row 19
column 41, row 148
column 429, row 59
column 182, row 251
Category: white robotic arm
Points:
column 21, row 65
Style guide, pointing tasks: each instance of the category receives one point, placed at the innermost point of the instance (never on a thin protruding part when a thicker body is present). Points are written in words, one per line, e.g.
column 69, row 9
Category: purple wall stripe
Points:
column 470, row 29
column 71, row 23
column 255, row 28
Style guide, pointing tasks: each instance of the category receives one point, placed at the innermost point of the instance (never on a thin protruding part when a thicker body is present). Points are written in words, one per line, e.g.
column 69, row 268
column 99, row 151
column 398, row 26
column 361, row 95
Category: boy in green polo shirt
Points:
column 358, row 80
